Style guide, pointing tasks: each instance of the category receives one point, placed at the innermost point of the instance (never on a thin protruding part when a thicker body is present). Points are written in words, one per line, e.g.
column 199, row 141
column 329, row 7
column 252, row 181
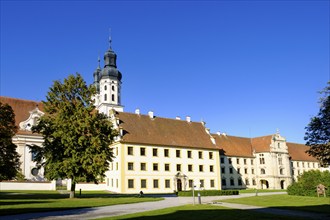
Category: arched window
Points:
column 105, row 97
column 262, row 171
column 105, row 88
column 113, row 97
column 113, row 88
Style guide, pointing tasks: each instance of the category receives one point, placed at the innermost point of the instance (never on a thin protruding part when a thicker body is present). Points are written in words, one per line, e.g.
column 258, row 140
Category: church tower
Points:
column 108, row 84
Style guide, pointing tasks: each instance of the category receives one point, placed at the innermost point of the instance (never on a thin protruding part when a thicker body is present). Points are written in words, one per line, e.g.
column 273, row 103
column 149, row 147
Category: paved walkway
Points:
column 116, row 210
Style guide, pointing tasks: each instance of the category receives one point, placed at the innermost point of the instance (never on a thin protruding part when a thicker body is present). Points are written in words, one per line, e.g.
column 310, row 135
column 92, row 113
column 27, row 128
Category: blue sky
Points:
column 246, row 68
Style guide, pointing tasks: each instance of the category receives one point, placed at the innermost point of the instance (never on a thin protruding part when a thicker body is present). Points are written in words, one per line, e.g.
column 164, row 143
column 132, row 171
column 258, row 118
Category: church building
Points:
column 162, row 155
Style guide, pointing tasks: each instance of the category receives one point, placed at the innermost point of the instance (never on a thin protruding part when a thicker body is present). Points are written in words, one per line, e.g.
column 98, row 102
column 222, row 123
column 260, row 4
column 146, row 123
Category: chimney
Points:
column 137, row 111
column 177, row 118
column 188, row 119
column 151, row 114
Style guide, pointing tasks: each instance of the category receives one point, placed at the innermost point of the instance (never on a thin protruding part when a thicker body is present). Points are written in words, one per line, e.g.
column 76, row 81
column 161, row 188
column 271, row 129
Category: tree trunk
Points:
column 73, row 188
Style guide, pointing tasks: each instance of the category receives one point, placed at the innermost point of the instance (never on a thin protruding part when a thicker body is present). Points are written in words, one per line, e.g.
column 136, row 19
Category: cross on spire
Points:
column 110, row 39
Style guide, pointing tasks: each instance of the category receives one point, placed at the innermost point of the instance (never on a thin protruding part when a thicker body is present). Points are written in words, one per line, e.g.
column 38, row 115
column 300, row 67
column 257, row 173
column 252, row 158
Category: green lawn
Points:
column 17, row 202
column 302, row 203
column 201, row 212
column 260, row 190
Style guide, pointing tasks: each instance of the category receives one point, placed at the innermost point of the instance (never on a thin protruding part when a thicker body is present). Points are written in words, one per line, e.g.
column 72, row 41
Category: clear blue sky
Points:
column 246, row 68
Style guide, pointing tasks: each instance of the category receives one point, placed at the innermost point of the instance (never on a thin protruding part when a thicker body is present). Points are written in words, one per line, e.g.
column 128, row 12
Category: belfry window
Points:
column 105, row 88
column 113, row 97
column 113, row 88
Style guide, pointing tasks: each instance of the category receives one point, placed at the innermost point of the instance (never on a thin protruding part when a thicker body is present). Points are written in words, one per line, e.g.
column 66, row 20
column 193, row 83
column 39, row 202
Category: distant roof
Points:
column 21, row 109
column 234, row 146
column 298, row 152
column 141, row 129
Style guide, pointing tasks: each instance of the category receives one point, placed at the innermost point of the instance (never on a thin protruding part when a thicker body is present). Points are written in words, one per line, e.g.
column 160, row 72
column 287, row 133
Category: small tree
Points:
column 318, row 130
column 76, row 136
column 9, row 158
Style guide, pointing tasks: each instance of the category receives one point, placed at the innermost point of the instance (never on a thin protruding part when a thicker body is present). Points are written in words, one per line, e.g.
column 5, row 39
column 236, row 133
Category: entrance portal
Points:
column 264, row 184
column 179, row 185
column 282, row 184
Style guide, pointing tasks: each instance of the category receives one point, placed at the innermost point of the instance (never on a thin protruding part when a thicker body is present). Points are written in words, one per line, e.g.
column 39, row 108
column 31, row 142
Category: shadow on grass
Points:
column 3, row 203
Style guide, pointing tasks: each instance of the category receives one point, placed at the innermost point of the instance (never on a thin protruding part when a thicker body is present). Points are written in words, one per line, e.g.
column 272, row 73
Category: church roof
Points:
column 21, row 109
column 298, row 152
column 234, row 146
column 143, row 129
column 262, row 144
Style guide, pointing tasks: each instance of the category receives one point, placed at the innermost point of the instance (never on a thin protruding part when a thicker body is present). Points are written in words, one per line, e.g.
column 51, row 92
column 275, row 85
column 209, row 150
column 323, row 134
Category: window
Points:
column 130, row 166
column 200, row 154
column 166, row 153
column 251, row 161
column 237, row 160
column 211, row 155
column 129, row 150
column 105, row 87
column 117, row 183
column 155, row 183
column 297, row 164
column 222, row 160
column 224, row 182
column 143, row 183
column 202, row 183
column 232, row 183
column 33, row 155
column 190, row 183
column 201, row 168
column 238, row 170
column 130, row 183
column 247, row 182
column 239, row 181
column 245, row 171
column 167, row 167
column 262, row 171
column 154, row 152
column 178, row 153
column 190, row 167
column 212, row 183
column 105, row 97
column 189, row 154
column 230, row 170
column 211, row 169
column 113, row 97
column 262, row 159
column 281, row 171
column 143, row 166
column 254, row 182
column 223, row 170
column 116, row 165
column 113, row 88
column 244, row 161
column 167, row 183
column 280, row 159
column 142, row 151
column 229, row 160
column 155, row 167
column 178, row 167
column 252, row 171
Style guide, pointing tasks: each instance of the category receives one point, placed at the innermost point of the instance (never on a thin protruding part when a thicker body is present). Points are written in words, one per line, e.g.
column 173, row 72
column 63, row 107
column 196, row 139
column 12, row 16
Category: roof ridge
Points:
column 19, row 99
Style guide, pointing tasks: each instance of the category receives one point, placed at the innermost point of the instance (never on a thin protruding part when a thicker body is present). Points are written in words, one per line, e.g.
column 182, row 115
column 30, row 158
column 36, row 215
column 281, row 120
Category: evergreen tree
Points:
column 9, row 158
column 76, row 136
column 318, row 130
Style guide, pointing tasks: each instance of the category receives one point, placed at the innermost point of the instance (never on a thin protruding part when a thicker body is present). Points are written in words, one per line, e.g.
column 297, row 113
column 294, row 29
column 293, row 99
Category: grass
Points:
column 260, row 190
column 300, row 203
column 200, row 212
column 18, row 202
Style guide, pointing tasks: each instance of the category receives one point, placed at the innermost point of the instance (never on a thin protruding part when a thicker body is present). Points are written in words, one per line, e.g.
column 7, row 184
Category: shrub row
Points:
column 307, row 182
column 209, row 192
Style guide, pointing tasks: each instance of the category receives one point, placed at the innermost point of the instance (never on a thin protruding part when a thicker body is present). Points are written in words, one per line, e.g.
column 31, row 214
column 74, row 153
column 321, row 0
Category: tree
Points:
column 9, row 158
column 318, row 130
column 76, row 137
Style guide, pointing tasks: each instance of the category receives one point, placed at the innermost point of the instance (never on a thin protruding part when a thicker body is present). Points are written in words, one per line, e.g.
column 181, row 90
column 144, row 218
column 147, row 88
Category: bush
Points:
column 209, row 192
column 307, row 182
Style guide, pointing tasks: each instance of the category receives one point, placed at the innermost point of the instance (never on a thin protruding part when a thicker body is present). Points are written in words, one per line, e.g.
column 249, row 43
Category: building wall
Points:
column 156, row 172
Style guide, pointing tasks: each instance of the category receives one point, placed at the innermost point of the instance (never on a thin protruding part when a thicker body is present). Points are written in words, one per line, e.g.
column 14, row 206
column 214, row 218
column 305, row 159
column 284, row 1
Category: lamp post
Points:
column 193, row 189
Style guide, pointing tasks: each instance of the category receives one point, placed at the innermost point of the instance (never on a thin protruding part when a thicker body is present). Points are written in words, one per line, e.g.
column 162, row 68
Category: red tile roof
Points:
column 234, row 146
column 21, row 109
column 262, row 144
column 298, row 152
column 141, row 129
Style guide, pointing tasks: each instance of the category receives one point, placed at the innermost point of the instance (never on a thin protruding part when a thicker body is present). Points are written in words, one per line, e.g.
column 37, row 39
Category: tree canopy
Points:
column 76, row 136
column 9, row 158
column 318, row 130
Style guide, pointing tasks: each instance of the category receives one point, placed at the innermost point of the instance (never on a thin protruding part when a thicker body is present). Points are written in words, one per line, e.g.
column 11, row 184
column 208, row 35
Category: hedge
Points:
column 209, row 192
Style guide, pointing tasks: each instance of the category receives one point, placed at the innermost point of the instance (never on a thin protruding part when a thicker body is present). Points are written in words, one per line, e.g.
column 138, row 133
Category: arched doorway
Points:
column 180, row 181
column 264, row 184
column 282, row 184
